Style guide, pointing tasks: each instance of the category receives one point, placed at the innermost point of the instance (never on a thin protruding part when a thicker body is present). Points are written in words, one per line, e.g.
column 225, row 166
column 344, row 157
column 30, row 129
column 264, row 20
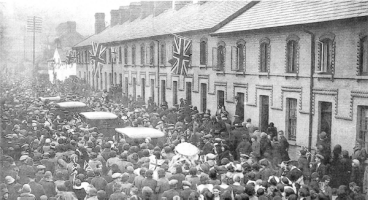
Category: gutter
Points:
column 311, row 85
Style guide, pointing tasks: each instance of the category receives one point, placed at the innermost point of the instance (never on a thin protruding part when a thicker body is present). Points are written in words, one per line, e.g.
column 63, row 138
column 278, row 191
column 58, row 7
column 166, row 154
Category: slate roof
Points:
column 267, row 14
column 192, row 17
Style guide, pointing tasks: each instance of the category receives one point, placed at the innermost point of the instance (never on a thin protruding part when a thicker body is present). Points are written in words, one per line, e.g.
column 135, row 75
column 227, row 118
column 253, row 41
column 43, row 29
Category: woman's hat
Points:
column 26, row 189
column 9, row 180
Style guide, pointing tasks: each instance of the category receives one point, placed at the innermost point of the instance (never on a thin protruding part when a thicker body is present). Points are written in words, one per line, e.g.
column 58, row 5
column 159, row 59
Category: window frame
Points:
column 125, row 55
column 294, row 66
column 120, row 55
column 238, row 54
column 326, row 43
column 203, row 52
column 290, row 118
column 143, row 54
column 133, row 54
column 221, row 60
column 363, row 53
column 264, row 55
column 152, row 54
column 163, row 54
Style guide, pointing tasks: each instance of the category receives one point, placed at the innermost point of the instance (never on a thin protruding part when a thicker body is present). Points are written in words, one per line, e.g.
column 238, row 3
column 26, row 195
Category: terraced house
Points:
column 302, row 65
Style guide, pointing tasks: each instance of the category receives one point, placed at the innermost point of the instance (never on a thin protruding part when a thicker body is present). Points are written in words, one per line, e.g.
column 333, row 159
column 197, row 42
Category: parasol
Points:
column 187, row 149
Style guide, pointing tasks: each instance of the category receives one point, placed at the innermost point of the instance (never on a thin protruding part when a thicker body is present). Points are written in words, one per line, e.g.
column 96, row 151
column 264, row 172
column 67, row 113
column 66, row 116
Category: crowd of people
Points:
column 48, row 156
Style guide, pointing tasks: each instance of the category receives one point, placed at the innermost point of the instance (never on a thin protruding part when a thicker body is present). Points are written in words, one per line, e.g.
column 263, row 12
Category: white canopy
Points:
column 140, row 132
column 50, row 98
column 99, row 115
column 187, row 149
column 71, row 104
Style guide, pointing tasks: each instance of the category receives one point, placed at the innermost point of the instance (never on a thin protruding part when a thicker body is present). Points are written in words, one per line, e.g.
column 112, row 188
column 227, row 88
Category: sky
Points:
column 54, row 12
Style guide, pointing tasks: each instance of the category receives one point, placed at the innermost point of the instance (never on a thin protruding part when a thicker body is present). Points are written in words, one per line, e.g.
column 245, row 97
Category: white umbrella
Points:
column 187, row 149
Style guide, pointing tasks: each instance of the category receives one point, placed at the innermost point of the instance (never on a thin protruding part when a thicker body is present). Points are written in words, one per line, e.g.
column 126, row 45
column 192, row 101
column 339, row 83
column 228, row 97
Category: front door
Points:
column 189, row 92
column 143, row 89
column 326, row 118
column 264, row 113
column 134, row 89
column 203, row 97
column 126, row 86
column 163, row 91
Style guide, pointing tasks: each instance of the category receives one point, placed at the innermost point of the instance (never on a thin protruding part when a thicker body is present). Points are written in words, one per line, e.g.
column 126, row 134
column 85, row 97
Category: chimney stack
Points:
column 124, row 13
column 99, row 22
column 180, row 4
column 115, row 17
column 135, row 10
column 161, row 6
column 71, row 26
column 147, row 8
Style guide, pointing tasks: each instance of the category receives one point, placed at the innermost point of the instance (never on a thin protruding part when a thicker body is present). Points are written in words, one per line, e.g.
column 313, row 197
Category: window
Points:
column 292, row 54
column 175, row 93
column 120, row 79
column 110, row 78
column 221, row 57
column 238, row 56
column 363, row 124
column 120, row 55
column 115, row 78
column 109, row 56
column 203, row 52
column 86, row 56
column 142, row 55
column 264, row 55
column 126, row 86
column 152, row 54
column 133, row 55
column 220, row 98
column 126, row 55
column 291, row 115
column 80, row 74
column 134, row 89
column 163, row 54
column 326, row 53
column 84, row 76
column 363, row 56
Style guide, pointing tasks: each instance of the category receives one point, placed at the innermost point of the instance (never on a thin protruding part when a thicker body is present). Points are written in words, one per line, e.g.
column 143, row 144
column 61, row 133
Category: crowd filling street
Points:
column 47, row 155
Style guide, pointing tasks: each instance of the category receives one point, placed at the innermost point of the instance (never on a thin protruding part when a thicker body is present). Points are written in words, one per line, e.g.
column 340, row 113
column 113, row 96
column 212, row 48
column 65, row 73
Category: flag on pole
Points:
column 181, row 55
column 97, row 57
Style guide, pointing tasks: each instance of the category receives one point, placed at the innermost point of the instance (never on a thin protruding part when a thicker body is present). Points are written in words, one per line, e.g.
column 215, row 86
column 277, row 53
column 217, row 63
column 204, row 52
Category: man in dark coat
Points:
column 284, row 147
column 36, row 188
column 170, row 194
column 303, row 165
column 236, row 136
column 48, row 185
column 325, row 151
column 319, row 167
column 185, row 193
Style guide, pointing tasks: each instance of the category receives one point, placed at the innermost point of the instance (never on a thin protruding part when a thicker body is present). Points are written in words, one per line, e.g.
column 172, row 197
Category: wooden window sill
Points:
column 322, row 75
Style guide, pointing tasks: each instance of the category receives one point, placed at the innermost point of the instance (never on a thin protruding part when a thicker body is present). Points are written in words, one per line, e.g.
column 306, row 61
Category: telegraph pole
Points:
column 34, row 25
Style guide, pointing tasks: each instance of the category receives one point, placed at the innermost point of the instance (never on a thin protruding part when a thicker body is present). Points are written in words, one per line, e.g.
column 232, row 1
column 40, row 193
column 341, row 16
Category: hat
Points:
column 26, row 188
column 24, row 157
column 356, row 162
column 211, row 156
column 244, row 155
column 47, row 176
column 186, row 183
column 47, row 140
column 116, row 175
column 208, row 136
column 173, row 182
column 9, row 180
column 92, row 192
column 41, row 167
column 323, row 135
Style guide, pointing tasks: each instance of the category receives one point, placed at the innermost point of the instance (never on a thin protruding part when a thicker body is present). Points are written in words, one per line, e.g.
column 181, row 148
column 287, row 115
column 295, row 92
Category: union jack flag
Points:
column 181, row 56
column 97, row 57
column 70, row 57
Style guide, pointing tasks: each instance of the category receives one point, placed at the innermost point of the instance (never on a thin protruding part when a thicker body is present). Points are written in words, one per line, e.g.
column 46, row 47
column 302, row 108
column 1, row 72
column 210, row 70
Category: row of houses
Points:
column 300, row 64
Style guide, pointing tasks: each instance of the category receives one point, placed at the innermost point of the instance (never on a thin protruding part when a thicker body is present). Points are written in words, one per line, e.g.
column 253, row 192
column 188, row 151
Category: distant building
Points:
column 300, row 64
column 67, row 36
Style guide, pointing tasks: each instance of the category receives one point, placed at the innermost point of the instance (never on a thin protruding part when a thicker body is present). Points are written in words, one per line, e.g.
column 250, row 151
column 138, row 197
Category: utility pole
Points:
column 34, row 25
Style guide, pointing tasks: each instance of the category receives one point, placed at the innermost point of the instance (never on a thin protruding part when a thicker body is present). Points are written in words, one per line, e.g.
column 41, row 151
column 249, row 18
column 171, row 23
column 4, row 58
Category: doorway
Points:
column 175, row 93
column 153, row 89
column 264, row 113
column 203, row 97
column 126, row 86
column 189, row 92
column 134, row 89
column 220, row 98
column 143, row 89
column 163, row 91
column 325, row 119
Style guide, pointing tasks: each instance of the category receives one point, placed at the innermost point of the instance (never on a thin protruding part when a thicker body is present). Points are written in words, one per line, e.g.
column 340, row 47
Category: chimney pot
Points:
column 124, row 14
column 115, row 17
column 99, row 22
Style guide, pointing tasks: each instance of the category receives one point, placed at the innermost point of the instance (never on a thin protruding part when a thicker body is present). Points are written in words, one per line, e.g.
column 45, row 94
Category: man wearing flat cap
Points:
column 169, row 194
column 185, row 193
column 318, row 166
